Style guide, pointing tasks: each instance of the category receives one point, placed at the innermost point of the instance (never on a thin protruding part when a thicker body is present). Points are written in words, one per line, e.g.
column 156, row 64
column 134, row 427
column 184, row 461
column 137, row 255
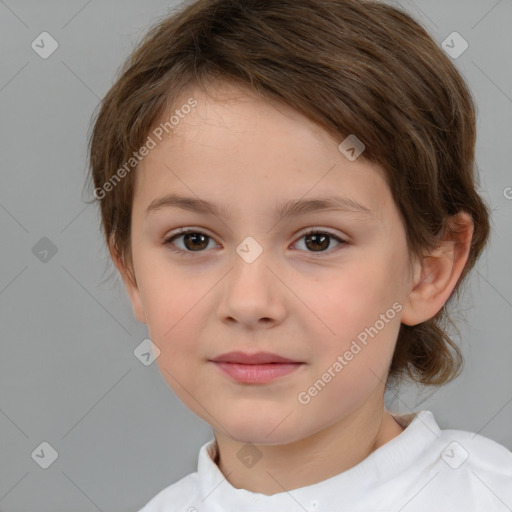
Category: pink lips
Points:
column 255, row 368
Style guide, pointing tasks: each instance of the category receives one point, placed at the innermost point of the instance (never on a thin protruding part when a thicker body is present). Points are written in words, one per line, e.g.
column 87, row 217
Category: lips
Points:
column 258, row 358
column 259, row 368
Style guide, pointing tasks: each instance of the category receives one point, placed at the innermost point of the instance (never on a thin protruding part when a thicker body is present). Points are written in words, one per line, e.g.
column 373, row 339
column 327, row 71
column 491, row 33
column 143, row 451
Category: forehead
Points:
column 233, row 145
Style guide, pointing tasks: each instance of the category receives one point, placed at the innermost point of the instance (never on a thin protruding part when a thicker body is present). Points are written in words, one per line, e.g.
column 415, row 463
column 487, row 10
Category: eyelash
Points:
column 183, row 231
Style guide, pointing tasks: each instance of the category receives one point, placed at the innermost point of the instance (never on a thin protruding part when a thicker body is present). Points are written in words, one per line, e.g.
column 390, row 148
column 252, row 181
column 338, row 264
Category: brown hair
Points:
column 353, row 67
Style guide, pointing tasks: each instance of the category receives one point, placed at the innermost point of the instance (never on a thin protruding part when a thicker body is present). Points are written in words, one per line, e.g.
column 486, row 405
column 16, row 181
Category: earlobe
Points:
column 130, row 283
column 437, row 274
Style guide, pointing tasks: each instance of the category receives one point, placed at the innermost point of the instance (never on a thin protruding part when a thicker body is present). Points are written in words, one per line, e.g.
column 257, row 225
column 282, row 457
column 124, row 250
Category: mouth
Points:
column 256, row 368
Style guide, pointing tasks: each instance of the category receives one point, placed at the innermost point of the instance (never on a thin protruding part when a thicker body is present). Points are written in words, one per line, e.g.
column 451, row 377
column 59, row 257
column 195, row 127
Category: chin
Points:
column 264, row 430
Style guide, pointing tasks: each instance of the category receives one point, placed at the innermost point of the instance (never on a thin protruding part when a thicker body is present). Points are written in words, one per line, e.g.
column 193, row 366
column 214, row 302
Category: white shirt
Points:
column 422, row 469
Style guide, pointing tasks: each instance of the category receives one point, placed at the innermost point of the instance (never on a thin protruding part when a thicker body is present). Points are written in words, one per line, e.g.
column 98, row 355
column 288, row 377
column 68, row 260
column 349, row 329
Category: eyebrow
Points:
column 288, row 209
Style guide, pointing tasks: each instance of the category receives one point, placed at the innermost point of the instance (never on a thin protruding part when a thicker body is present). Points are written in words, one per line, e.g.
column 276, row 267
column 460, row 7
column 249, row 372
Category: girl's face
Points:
column 250, row 280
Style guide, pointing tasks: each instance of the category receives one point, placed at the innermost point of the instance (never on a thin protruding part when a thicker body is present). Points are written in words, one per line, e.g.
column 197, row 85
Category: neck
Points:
column 318, row 457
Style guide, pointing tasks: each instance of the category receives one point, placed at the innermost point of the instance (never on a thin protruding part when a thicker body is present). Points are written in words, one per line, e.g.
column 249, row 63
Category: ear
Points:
column 437, row 274
column 128, row 276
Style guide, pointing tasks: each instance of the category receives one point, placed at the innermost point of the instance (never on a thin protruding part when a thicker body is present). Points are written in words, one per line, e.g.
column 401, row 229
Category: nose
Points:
column 252, row 294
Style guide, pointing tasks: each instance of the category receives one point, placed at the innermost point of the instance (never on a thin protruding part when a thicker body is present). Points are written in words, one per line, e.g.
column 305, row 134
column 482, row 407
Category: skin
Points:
column 250, row 155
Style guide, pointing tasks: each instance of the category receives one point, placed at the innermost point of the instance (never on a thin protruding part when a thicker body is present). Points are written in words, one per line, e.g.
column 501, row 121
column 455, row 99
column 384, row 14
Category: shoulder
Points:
column 471, row 470
column 457, row 448
column 181, row 494
column 474, row 451
column 449, row 469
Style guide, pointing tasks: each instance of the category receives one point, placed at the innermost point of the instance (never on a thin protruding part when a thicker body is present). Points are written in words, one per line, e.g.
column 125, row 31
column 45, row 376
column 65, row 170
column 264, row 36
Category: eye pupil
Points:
column 195, row 236
column 318, row 238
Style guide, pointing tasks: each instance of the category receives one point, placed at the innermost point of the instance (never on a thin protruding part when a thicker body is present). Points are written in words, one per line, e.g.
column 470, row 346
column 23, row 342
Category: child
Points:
column 287, row 189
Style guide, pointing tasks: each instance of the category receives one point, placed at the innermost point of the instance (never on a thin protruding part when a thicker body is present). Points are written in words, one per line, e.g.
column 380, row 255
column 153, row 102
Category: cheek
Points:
column 175, row 324
column 360, row 320
column 167, row 289
column 175, row 306
column 350, row 368
column 352, row 297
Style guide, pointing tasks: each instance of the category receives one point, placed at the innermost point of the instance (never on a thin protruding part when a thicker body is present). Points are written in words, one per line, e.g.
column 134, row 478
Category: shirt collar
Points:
column 382, row 465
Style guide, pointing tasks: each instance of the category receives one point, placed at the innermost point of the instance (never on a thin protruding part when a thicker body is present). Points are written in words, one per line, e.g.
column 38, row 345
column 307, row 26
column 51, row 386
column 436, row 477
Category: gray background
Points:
column 68, row 374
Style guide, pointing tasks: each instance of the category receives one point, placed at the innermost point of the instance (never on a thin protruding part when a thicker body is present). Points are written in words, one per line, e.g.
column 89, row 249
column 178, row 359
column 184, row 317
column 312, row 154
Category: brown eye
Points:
column 317, row 241
column 193, row 241
column 320, row 241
